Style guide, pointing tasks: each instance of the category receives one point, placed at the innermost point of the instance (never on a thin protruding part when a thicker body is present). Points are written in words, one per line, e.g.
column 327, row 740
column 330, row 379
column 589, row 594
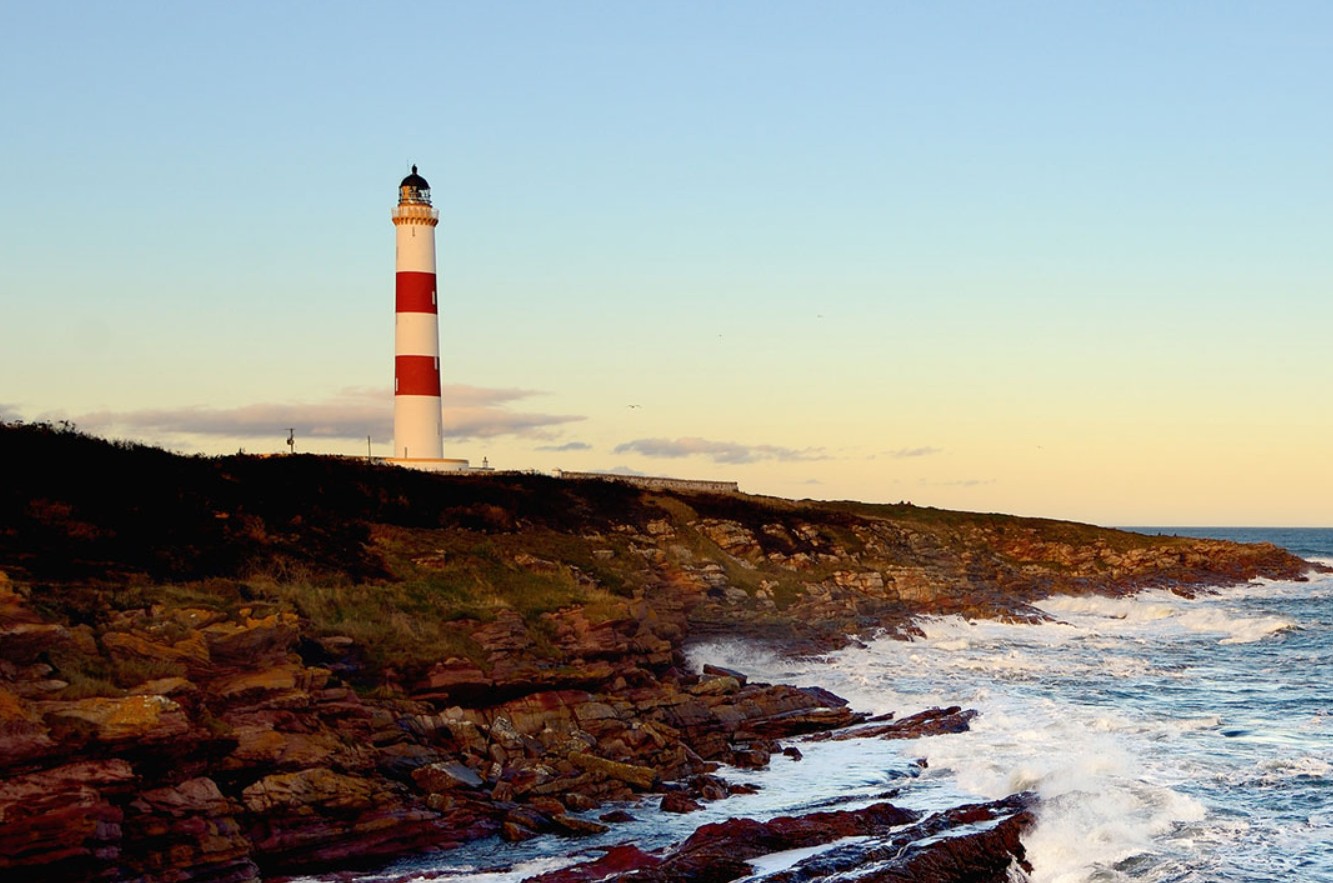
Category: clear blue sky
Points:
column 1065, row 259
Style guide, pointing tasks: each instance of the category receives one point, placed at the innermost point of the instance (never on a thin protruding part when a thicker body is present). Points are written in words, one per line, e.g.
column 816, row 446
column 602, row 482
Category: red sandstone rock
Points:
column 190, row 653
column 63, row 823
column 617, row 862
column 438, row 777
column 137, row 719
column 252, row 642
column 721, row 851
column 977, row 843
column 639, row 777
column 931, row 722
column 452, row 677
column 576, row 826
column 513, row 832
column 23, row 642
column 188, row 831
column 679, row 802
column 23, row 735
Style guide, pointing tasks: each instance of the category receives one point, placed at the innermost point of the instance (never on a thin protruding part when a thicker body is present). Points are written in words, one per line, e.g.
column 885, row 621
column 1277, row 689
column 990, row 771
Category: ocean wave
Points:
column 1097, row 810
column 1205, row 616
column 1238, row 629
column 1143, row 607
column 1118, row 715
column 1279, row 769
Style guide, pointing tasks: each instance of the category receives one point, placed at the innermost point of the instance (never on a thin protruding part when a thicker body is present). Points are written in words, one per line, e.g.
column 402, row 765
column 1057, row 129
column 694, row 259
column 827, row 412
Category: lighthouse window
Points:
column 432, row 297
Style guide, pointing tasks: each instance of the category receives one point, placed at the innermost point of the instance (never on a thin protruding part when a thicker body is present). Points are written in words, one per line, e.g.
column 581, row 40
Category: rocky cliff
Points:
column 220, row 669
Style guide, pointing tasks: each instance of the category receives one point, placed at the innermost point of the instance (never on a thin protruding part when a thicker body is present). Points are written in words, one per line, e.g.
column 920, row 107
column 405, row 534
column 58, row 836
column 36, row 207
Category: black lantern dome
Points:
column 414, row 189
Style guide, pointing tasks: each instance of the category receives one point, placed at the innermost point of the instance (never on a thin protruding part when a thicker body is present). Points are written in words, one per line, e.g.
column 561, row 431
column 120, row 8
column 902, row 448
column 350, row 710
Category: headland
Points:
column 236, row 668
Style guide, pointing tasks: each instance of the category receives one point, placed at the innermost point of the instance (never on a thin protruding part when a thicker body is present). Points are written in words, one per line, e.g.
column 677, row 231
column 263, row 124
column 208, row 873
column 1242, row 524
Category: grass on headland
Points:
column 447, row 581
column 430, row 615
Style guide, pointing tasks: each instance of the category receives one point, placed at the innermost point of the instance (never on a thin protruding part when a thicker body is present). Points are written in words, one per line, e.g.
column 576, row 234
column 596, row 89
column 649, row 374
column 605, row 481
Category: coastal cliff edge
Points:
column 235, row 668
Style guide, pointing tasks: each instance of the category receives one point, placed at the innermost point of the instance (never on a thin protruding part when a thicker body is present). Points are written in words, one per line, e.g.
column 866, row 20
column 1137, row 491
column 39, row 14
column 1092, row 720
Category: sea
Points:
column 1169, row 738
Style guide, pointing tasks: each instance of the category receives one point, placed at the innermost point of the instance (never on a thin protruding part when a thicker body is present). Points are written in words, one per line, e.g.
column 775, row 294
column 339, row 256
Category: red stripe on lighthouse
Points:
column 416, row 376
column 416, row 292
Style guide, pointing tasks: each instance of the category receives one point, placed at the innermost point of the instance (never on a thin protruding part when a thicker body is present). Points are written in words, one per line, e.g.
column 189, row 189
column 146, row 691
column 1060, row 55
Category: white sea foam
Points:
column 469, row 872
column 1113, row 799
column 1084, row 835
column 1145, row 607
column 1279, row 769
column 1084, row 762
column 742, row 656
column 1193, row 615
column 1207, row 722
column 781, row 861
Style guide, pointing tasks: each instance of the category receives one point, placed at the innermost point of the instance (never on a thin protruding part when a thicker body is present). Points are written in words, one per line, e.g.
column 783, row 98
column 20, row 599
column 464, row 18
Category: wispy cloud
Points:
column 567, row 446
column 470, row 412
column 8, row 413
column 717, row 451
column 904, row 453
column 960, row 482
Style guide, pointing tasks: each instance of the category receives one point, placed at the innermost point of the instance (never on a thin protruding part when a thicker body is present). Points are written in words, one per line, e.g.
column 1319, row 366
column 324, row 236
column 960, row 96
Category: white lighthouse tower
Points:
column 418, row 428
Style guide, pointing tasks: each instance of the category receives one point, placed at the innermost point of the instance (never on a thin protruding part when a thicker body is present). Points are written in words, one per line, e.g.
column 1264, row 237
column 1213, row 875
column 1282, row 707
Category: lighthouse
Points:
column 418, row 428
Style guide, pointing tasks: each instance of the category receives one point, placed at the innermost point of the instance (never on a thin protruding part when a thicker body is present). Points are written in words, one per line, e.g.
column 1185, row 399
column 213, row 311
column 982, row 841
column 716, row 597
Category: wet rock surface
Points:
column 978, row 843
column 931, row 722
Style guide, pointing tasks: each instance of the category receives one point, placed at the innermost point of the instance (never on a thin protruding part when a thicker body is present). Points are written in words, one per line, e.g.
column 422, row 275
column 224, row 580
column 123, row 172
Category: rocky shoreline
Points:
column 260, row 762
column 225, row 728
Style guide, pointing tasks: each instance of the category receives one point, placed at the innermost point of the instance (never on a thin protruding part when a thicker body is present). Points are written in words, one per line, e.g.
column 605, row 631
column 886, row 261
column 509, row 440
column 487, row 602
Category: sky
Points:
column 1062, row 259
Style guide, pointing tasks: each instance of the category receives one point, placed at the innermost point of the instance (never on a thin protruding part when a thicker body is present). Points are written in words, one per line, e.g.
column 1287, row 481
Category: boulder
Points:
column 198, row 796
column 252, row 642
column 21, row 643
column 723, row 685
column 615, row 863
column 271, row 681
column 189, row 653
column 575, row 826
column 165, row 687
column 259, row 745
column 318, row 787
column 931, row 722
column 730, row 537
column 454, row 678
column 679, row 802
column 639, row 777
column 718, row 671
column 440, row 777
column 138, row 719
column 513, row 832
